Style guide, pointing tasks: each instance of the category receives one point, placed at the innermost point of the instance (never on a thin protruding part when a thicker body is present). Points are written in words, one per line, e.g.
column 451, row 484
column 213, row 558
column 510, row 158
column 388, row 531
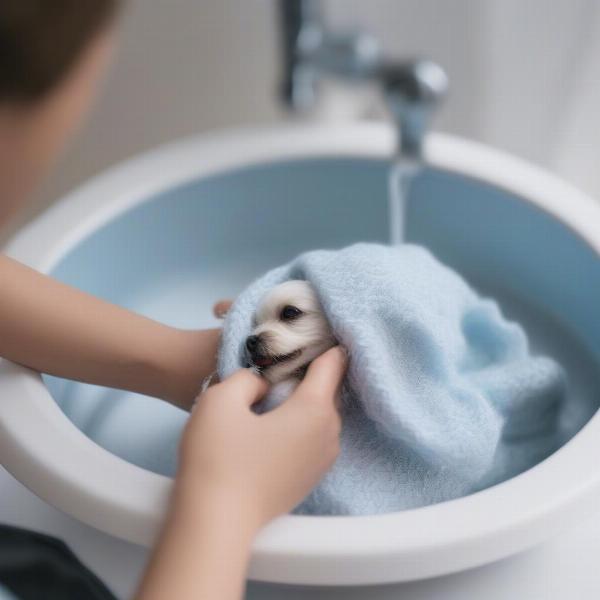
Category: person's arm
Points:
column 238, row 470
column 56, row 329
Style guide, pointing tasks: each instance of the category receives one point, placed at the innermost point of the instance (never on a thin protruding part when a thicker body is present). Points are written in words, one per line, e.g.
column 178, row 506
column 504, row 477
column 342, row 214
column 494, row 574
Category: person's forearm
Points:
column 56, row 329
column 203, row 550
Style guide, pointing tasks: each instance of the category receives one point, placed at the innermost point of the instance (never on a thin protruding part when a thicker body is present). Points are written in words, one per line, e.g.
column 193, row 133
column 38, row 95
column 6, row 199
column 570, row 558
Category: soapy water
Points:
column 401, row 177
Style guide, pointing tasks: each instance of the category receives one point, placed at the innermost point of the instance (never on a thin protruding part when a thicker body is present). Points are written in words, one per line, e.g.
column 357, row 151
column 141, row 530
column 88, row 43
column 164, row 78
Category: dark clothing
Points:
column 34, row 566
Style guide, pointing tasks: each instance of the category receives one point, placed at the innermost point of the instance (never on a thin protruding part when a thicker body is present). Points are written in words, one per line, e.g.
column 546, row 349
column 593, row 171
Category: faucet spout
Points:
column 413, row 91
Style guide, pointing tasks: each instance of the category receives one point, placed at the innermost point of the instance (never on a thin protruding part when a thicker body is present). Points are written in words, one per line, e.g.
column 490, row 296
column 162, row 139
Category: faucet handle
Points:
column 310, row 49
column 413, row 91
column 301, row 32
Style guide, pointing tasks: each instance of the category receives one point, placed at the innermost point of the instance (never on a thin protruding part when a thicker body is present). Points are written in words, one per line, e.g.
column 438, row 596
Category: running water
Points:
column 401, row 176
column 413, row 91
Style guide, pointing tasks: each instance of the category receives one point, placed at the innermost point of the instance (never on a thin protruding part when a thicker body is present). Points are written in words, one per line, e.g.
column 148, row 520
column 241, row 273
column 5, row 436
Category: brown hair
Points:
column 41, row 39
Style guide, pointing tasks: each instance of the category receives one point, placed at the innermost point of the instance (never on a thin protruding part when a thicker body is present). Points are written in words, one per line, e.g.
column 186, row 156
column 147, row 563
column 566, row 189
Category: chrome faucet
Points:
column 412, row 89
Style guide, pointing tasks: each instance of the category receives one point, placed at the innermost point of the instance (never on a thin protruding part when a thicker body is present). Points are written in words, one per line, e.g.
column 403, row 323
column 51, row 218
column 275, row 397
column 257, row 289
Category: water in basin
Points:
column 171, row 257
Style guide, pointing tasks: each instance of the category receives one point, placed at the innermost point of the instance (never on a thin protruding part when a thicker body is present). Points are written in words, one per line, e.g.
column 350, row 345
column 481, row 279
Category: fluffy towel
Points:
column 437, row 377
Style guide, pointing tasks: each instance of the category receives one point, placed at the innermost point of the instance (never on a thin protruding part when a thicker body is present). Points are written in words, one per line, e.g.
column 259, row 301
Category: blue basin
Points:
column 171, row 257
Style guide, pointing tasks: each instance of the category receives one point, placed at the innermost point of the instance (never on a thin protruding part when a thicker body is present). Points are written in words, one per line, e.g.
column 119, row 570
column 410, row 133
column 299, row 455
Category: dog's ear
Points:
column 221, row 308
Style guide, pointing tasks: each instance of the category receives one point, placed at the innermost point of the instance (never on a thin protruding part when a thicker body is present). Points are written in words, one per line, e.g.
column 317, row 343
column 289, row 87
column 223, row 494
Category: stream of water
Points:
column 401, row 176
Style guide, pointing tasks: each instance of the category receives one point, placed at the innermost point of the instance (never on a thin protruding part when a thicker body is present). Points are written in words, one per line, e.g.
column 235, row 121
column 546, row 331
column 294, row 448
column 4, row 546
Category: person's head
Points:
column 52, row 53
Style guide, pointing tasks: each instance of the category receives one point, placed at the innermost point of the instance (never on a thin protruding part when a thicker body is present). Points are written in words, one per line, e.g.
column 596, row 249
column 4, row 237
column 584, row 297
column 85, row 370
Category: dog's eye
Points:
column 289, row 313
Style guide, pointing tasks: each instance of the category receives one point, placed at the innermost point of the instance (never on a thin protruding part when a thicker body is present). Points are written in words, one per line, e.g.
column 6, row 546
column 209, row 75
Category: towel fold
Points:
column 437, row 377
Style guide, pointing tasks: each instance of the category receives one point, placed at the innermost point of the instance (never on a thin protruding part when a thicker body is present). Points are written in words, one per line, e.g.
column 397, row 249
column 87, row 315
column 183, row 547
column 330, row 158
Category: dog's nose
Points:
column 252, row 342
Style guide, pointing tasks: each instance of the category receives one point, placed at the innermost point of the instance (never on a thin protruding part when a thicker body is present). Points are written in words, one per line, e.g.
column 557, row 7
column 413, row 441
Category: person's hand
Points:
column 262, row 465
column 221, row 307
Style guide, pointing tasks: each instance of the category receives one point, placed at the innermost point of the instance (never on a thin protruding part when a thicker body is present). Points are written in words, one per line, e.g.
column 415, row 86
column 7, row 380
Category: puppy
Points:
column 290, row 331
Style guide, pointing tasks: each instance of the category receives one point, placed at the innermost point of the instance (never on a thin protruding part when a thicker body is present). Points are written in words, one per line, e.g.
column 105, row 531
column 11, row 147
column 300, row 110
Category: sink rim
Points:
column 97, row 487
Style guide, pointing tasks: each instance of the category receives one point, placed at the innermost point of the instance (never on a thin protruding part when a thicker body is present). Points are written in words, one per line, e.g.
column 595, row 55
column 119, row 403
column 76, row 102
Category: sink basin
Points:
column 168, row 233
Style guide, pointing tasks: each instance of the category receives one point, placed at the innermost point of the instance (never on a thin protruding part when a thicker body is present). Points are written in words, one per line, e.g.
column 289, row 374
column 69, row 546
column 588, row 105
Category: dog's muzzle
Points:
column 261, row 358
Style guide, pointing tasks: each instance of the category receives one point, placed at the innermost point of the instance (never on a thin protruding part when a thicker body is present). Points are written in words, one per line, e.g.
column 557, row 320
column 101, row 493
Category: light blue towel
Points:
column 438, row 379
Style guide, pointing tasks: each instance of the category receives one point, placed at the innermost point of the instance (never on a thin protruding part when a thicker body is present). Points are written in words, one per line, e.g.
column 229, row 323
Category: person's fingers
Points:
column 245, row 385
column 221, row 307
column 324, row 376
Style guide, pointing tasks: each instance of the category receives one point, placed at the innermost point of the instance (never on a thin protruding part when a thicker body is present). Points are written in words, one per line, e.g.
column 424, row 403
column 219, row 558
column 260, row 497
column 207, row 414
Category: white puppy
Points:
column 290, row 331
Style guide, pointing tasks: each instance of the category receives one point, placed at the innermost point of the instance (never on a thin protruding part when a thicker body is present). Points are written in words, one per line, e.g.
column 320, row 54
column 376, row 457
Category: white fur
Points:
column 310, row 333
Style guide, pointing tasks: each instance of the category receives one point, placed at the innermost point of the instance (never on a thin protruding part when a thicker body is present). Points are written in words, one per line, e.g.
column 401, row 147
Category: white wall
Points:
column 523, row 75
